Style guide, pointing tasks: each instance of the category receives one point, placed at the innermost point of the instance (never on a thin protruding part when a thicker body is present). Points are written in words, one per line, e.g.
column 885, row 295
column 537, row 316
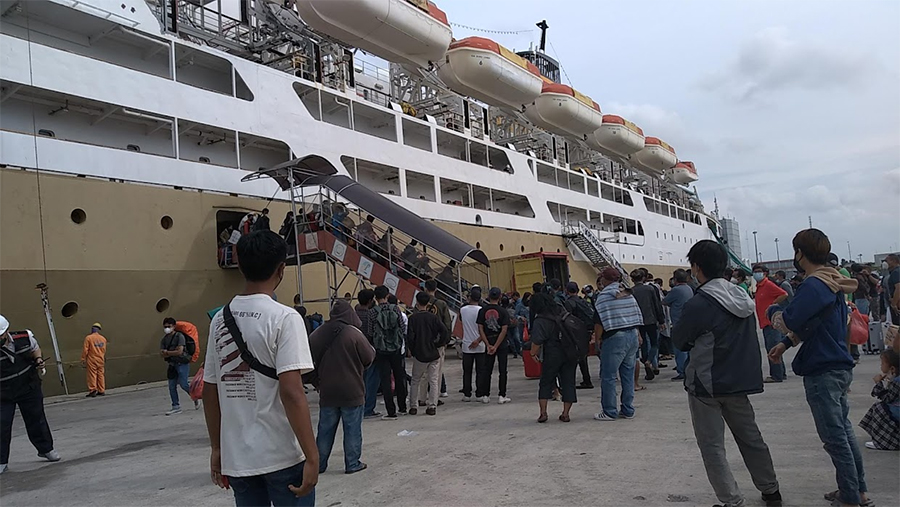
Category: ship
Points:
column 134, row 134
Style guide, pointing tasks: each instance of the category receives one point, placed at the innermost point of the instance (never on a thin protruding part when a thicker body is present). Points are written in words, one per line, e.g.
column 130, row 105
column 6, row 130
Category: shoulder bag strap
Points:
column 242, row 346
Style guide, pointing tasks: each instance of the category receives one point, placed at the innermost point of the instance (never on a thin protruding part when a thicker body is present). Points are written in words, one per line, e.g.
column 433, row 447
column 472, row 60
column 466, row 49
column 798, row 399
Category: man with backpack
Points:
column 620, row 317
column 177, row 351
column 580, row 308
column 493, row 324
column 387, row 329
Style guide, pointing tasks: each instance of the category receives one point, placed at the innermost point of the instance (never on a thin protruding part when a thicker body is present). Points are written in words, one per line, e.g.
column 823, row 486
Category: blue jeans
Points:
column 329, row 417
column 618, row 356
column 372, row 380
column 271, row 489
column 681, row 360
column 773, row 337
column 183, row 371
column 826, row 394
column 862, row 305
column 515, row 340
column 650, row 347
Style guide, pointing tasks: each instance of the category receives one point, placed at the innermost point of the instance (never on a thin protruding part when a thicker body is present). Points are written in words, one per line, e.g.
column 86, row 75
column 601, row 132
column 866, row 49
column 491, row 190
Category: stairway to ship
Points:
column 738, row 263
column 584, row 239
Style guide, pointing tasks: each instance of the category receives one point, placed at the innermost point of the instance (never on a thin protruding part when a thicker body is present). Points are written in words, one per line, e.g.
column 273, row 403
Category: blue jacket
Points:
column 818, row 317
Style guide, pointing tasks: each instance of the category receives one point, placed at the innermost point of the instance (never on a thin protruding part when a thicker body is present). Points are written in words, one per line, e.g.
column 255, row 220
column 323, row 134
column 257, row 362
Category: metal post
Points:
column 777, row 255
column 45, row 301
column 755, row 246
column 296, row 233
column 849, row 253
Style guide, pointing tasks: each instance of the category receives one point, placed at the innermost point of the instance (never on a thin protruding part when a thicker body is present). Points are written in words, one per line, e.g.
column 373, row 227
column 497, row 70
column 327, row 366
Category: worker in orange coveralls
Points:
column 93, row 356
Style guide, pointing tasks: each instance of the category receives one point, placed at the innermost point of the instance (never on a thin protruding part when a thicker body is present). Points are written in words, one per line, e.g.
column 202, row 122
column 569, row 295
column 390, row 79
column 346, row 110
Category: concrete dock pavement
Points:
column 122, row 450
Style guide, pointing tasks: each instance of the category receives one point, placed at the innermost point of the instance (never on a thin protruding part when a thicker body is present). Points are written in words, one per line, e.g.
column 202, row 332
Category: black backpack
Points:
column 574, row 337
column 581, row 309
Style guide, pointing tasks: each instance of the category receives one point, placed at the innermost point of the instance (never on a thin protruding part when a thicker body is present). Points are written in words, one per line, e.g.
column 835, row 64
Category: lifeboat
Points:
column 656, row 156
column 617, row 137
column 562, row 110
column 487, row 71
column 684, row 173
column 408, row 32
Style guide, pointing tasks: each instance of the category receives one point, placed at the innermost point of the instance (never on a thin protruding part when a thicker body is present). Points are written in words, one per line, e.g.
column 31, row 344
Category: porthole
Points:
column 501, row 247
column 69, row 309
column 557, row 250
column 205, row 160
column 133, row 147
column 478, row 245
column 46, row 133
column 542, row 249
column 162, row 305
column 297, row 299
column 522, row 248
column 478, row 220
column 78, row 216
column 166, row 222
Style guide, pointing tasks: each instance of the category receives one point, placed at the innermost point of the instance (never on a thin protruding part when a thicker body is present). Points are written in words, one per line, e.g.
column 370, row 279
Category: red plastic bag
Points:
column 525, row 336
column 859, row 328
column 196, row 386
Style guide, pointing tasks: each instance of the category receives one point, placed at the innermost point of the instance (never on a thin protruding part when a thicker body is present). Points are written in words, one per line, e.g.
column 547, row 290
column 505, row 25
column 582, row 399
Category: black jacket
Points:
column 718, row 327
column 425, row 333
column 651, row 304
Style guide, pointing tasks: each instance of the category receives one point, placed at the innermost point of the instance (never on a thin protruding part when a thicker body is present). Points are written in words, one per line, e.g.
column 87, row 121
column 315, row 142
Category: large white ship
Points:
column 127, row 127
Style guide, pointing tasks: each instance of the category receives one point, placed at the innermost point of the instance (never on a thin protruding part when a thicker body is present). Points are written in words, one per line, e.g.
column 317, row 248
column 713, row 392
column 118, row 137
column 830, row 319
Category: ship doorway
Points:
column 535, row 267
column 557, row 267
column 227, row 233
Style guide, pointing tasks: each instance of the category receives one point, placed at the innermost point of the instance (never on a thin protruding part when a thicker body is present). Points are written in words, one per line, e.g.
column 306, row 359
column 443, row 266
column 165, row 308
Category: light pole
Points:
column 849, row 253
column 777, row 255
column 860, row 258
column 755, row 246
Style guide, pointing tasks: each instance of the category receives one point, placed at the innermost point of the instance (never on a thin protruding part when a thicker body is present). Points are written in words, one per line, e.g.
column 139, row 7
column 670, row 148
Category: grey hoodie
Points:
column 718, row 326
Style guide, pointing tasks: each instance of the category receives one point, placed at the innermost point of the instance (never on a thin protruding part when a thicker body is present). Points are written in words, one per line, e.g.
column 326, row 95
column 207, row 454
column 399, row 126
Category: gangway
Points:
column 731, row 255
column 583, row 237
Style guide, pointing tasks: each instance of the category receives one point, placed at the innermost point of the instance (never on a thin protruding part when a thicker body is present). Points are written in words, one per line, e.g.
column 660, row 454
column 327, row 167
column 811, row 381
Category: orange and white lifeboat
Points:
column 617, row 137
column 409, row 32
column 656, row 156
column 563, row 110
column 684, row 172
column 487, row 71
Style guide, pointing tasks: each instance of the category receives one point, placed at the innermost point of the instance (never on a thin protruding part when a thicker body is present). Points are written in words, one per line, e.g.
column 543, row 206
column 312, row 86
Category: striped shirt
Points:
column 617, row 311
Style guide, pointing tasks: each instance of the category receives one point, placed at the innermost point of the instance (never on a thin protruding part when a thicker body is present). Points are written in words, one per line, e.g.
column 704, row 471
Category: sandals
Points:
column 640, row 388
column 564, row 418
column 834, row 496
column 542, row 418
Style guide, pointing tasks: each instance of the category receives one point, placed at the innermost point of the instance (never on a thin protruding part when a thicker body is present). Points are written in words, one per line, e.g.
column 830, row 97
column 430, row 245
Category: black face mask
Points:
column 798, row 267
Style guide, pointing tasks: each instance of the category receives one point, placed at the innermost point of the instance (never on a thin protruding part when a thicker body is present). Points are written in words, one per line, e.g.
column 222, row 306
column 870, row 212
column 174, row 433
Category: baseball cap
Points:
column 572, row 287
column 611, row 274
column 97, row 325
column 4, row 324
column 833, row 260
column 495, row 293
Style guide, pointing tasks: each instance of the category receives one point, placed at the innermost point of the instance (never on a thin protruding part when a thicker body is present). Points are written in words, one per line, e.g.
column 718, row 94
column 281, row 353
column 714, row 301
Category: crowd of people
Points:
column 260, row 355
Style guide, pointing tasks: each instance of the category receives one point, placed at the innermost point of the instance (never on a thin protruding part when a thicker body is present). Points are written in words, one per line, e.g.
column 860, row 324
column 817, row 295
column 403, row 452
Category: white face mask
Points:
column 168, row 330
column 884, row 265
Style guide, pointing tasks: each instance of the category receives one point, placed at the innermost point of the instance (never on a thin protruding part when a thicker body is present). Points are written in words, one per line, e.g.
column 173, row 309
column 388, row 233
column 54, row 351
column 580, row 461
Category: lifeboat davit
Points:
column 562, row 110
column 684, row 173
column 617, row 137
column 656, row 156
column 487, row 71
column 410, row 32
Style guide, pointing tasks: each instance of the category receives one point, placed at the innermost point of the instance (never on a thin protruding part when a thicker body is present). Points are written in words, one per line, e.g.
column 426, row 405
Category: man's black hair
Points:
column 168, row 320
column 637, row 276
column 555, row 284
column 301, row 310
column 392, row 299
column 543, row 304
column 259, row 255
column 431, row 285
column 365, row 296
column 475, row 295
column 710, row 257
column 781, row 273
column 726, row 273
column 537, row 287
column 265, row 211
column 381, row 292
column 680, row 276
column 761, row 267
column 423, row 298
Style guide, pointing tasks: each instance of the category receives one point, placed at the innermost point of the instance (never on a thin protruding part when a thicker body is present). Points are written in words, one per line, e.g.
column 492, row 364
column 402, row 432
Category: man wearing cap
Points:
column 21, row 369
column 619, row 316
column 93, row 357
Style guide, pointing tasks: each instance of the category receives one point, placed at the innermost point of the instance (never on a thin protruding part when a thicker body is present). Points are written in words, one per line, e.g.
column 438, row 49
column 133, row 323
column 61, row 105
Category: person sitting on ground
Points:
column 718, row 327
column 262, row 221
column 547, row 347
column 425, row 341
column 882, row 421
column 342, row 354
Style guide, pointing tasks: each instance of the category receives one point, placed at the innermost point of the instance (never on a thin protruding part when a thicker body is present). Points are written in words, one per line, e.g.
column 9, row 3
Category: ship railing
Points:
column 320, row 211
column 579, row 228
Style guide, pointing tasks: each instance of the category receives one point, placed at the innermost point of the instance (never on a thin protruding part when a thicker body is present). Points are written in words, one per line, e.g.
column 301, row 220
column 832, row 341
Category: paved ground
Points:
column 121, row 450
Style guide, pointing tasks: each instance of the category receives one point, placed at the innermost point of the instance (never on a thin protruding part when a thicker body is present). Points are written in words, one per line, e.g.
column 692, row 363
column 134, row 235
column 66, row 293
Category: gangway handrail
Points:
column 582, row 229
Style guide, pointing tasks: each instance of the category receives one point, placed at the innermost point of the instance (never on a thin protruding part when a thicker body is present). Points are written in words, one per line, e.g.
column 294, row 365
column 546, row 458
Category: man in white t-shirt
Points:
column 473, row 347
column 263, row 445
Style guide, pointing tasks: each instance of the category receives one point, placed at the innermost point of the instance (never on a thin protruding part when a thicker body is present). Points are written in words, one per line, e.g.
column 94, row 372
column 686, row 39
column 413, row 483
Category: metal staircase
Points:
column 589, row 244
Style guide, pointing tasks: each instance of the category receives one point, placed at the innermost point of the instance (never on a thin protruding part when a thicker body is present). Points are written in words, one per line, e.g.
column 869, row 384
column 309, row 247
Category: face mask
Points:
column 759, row 277
column 884, row 265
column 733, row 279
column 168, row 330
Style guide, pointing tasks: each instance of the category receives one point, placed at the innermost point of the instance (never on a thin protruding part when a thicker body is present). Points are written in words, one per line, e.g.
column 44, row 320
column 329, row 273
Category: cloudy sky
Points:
column 788, row 108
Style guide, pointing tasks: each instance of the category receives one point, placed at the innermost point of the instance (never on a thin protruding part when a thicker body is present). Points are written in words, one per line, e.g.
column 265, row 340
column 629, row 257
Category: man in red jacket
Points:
column 767, row 294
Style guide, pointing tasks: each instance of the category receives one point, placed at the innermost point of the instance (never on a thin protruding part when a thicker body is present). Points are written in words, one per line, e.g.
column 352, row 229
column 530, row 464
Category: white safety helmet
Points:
column 4, row 325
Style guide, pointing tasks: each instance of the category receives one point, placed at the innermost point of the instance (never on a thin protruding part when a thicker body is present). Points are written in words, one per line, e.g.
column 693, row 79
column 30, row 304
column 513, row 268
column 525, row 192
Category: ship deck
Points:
column 122, row 450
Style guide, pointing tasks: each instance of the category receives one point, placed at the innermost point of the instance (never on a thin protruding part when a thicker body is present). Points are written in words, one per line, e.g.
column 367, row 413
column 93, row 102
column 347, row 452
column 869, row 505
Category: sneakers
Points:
column 430, row 411
column 373, row 415
column 504, row 399
column 413, row 411
column 485, row 399
column 176, row 410
column 401, row 411
column 873, row 446
column 623, row 416
column 3, row 468
column 439, row 403
column 51, row 456
column 389, row 417
column 772, row 499
column 585, row 385
column 676, row 378
column 467, row 399
column 648, row 370
column 444, row 394
column 91, row 394
column 770, row 380
column 101, row 394
column 603, row 417
column 196, row 404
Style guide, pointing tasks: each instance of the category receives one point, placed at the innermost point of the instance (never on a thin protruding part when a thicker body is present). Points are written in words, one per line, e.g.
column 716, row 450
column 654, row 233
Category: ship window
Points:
column 198, row 141
column 309, row 96
column 478, row 221
column 335, row 110
column 456, row 192
column 478, row 153
column 374, row 122
column 513, row 204
column 205, row 160
column 78, row 216
column 593, row 187
column 498, row 160
column 481, row 198
column 576, row 182
column 451, row 145
column 162, row 305
column 378, row 177
column 531, row 166
column 166, row 222
column 522, row 248
column 209, row 72
column 546, row 174
column 257, row 151
column 630, row 227
column 420, row 186
column 478, row 244
column 501, row 247
column 416, row 135
column 640, row 229
column 69, row 309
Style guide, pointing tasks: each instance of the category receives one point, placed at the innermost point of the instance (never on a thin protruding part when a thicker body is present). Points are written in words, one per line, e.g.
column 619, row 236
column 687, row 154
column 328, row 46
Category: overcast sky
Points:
column 788, row 108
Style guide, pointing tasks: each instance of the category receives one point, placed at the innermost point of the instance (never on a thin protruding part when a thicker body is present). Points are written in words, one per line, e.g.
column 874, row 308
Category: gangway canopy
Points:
column 314, row 171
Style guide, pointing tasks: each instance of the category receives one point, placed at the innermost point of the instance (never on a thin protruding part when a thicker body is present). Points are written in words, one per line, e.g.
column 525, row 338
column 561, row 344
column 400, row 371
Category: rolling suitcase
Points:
column 876, row 338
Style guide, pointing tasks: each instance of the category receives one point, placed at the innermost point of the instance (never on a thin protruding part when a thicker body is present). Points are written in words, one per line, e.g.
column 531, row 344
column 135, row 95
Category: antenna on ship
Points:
column 543, row 26
column 547, row 66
